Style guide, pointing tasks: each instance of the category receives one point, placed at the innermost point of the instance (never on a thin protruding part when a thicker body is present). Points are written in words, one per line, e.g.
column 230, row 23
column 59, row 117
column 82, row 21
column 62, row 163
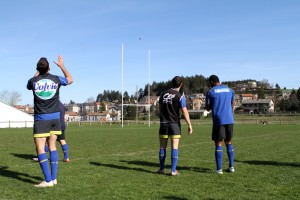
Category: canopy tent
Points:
column 11, row 117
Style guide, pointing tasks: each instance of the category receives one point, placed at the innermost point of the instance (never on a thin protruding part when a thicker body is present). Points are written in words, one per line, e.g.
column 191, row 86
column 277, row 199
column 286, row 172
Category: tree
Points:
column 140, row 94
column 130, row 112
column 11, row 98
column 261, row 94
column 126, row 97
column 293, row 101
column 102, row 107
column 90, row 100
column 298, row 95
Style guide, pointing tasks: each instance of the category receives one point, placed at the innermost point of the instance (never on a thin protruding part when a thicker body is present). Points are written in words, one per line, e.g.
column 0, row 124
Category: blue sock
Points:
column 218, row 156
column 174, row 159
column 230, row 153
column 43, row 160
column 65, row 149
column 46, row 148
column 162, row 158
column 54, row 164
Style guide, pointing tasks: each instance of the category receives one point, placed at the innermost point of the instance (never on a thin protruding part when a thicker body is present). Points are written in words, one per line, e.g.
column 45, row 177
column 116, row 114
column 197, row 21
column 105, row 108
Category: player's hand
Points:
column 190, row 130
column 60, row 61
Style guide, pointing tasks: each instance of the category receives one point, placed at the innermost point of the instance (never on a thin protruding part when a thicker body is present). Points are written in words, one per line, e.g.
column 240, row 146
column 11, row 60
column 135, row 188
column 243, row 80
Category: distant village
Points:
column 246, row 102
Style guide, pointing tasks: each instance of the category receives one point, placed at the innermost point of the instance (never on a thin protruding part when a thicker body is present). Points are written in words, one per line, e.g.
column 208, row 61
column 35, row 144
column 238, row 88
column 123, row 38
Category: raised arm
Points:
column 36, row 73
column 60, row 64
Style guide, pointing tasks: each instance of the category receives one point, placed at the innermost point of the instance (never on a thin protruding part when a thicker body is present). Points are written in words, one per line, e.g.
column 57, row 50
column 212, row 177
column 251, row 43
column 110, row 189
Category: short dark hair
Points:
column 214, row 79
column 43, row 65
column 176, row 82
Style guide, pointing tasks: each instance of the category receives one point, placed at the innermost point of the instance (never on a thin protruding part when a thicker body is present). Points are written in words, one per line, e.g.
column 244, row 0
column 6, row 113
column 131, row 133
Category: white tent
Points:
column 11, row 117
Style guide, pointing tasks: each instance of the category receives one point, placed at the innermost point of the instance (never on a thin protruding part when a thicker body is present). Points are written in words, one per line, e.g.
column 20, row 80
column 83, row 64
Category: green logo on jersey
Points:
column 45, row 88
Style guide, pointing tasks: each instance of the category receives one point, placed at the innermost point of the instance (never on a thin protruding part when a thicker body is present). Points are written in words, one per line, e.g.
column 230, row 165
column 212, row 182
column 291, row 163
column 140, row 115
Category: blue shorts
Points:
column 44, row 128
column 172, row 130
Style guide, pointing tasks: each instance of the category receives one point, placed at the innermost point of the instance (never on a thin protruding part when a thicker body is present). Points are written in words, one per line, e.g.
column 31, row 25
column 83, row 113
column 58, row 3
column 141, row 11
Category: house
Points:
column 252, row 84
column 285, row 93
column 94, row 116
column 241, row 87
column 27, row 108
column 248, row 97
column 195, row 102
column 105, row 116
column 72, row 116
column 72, row 108
column 115, row 113
column 88, row 108
column 258, row 106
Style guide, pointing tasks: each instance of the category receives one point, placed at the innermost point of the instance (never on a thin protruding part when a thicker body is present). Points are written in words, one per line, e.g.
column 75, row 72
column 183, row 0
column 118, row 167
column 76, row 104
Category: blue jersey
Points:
column 62, row 110
column 220, row 99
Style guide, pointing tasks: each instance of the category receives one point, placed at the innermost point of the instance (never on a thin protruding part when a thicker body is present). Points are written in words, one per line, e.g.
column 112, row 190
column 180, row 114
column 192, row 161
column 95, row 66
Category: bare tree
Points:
column 90, row 100
column 11, row 98
column 4, row 96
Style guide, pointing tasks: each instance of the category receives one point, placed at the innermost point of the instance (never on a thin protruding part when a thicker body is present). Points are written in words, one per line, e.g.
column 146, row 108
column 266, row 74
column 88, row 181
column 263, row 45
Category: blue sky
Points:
column 234, row 39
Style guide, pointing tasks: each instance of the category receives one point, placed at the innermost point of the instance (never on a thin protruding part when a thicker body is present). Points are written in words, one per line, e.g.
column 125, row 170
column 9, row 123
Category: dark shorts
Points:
column 44, row 128
column 172, row 130
column 62, row 136
column 222, row 132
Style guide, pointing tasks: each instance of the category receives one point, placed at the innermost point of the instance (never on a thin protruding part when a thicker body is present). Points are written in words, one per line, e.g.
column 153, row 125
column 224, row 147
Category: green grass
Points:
column 110, row 162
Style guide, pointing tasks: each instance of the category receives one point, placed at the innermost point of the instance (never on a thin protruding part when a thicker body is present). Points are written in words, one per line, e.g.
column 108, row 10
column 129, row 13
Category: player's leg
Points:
column 65, row 149
column 55, row 130
column 175, row 133
column 40, row 133
column 46, row 148
column 163, row 142
column 162, row 154
column 218, row 134
column 42, row 157
column 229, row 146
column 174, row 156
column 218, row 155
column 46, row 151
column 62, row 140
column 53, row 156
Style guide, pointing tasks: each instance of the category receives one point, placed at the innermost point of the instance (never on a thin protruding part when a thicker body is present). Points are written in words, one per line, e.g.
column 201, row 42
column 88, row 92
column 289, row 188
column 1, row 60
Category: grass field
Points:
column 110, row 162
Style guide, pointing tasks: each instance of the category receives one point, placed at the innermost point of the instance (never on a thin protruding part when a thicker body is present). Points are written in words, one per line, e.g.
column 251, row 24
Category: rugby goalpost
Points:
column 137, row 104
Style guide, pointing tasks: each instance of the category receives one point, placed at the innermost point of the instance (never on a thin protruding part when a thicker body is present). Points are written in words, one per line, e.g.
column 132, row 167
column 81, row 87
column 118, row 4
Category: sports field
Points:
column 110, row 162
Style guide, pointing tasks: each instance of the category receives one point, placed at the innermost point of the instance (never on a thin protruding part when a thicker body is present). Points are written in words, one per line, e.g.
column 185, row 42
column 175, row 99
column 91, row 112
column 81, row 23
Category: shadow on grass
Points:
column 151, row 164
column 148, row 164
column 24, row 156
column 174, row 198
column 121, row 167
column 274, row 163
column 5, row 172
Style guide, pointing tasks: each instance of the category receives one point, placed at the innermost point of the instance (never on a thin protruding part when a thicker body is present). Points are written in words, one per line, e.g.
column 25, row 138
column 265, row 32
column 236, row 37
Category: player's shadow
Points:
column 121, row 167
column 4, row 171
column 274, row 163
column 24, row 156
column 156, row 165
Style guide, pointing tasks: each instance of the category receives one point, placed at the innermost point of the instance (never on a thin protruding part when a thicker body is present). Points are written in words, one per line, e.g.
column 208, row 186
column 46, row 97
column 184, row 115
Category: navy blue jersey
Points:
column 170, row 103
column 62, row 110
column 220, row 99
column 45, row 90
